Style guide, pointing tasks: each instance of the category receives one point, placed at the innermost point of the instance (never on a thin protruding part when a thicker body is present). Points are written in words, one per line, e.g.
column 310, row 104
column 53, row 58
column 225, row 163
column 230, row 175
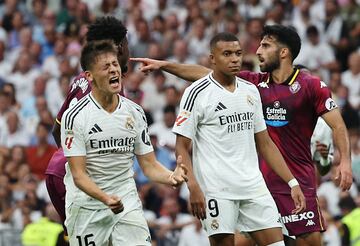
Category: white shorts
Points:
column 227, row 216
column 102, row 226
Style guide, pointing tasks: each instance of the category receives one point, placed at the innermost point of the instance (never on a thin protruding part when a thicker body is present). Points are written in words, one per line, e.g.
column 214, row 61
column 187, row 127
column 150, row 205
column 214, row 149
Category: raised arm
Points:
column 160, row 174
column 341, row 141
column 84, row 183
column 273, row 157
column 197, row 198
column 188, row 72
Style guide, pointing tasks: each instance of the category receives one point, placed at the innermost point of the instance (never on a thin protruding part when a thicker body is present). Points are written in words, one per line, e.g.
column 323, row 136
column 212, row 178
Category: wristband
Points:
column 293, row 182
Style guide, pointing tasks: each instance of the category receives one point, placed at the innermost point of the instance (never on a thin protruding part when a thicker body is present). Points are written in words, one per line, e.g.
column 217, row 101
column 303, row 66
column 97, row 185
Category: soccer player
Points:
column 100, row 136
column 292, row 102
column 104, row 28
column 221, row 117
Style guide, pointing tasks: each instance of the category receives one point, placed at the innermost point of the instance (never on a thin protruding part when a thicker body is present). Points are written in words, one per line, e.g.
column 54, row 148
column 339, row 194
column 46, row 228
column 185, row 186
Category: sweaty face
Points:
column 268, row 54
column 226, row 57
column 106, row 74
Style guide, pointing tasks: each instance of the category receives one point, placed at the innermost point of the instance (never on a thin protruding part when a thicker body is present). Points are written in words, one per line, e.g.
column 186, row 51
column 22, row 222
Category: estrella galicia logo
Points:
column 276, row 115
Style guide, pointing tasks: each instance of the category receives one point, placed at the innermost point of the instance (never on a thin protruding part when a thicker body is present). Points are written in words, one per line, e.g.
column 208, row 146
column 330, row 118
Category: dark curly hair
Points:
column 107, row 27
column 286, row 35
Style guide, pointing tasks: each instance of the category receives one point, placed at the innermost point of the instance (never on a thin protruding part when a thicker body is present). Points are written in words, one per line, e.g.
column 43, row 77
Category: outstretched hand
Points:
column 148, row 65
column 179, row 175
column 299, row 199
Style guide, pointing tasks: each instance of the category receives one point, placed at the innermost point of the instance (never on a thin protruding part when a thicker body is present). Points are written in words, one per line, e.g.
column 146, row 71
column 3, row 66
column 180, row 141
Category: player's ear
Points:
column 284, row 52
column 212, row 59
column 88, row 75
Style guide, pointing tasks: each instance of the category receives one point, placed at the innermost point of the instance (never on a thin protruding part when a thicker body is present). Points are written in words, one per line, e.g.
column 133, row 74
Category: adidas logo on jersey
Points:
column 95, row 129
column 220, row 106
column 310, row 223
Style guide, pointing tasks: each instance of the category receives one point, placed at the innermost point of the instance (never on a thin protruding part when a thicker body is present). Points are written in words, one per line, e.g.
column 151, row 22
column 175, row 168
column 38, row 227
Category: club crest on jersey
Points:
column 250, row 100
column 330, row 104
column 263, row 85
column 183, row 116
column 214, row 225
column 276, row 104
column 295, row 87
column 129, row 124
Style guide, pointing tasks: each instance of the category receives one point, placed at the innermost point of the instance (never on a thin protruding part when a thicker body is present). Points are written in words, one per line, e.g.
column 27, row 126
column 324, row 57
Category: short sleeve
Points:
column 188, row 117
column 321, row 94
column 72, row 137
column 259, row 122
column 78, row 89
column 142, row 141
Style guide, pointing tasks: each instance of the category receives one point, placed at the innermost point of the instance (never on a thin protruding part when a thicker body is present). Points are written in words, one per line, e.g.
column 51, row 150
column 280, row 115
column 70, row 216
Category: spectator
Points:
column 143, row 39
column 39, row 155
column 317, row 55
column 5, row 66
column 163, row 129
column 23, row 76
column 171, row 224
column 351, row 79
column 332, row 193
column 198, row 38
column 14, row 133
column 350, row 221
column 162, row 154
column 44, row 232
column 193, row 234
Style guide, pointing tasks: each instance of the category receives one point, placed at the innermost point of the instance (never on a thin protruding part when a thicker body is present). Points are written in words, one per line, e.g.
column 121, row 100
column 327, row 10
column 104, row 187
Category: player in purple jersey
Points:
column 292, row 102
column 104, row 28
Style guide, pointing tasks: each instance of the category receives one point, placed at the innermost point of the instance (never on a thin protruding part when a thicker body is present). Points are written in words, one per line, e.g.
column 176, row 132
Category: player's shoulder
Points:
column 76, row 111
column 199, row 85
column 311, row 81
column 132, row 106
column 253, row 77
column 80, row 83
column 247, row 85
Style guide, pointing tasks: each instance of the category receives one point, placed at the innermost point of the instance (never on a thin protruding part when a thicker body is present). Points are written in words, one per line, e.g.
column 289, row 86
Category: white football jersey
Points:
column 323, row 134
column 109, row 142
column 221, row 125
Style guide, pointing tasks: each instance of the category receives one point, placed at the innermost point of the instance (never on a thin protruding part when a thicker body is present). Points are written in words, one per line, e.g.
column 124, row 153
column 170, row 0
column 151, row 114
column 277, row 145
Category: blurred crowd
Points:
column 40, row 43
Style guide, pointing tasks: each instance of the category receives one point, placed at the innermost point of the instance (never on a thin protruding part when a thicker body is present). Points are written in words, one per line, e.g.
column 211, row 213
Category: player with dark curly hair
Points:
column 104, row 28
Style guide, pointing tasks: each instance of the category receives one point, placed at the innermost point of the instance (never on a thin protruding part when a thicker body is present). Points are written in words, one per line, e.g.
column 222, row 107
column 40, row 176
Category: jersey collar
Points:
column 211, row 77
column 290, row 80
column 99, row 106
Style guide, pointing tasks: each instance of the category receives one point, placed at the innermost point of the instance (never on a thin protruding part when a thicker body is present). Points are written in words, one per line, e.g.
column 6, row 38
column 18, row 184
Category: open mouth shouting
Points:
column 114, row 82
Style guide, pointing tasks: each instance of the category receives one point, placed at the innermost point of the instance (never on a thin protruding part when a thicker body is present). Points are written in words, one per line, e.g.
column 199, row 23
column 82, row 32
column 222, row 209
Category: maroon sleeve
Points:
column 78, row 89
column 323, row 102
column 252, row 77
